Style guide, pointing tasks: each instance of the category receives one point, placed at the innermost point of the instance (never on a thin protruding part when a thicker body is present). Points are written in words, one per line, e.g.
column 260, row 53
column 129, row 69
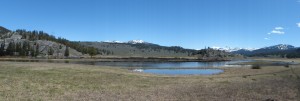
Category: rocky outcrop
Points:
column 43, row 46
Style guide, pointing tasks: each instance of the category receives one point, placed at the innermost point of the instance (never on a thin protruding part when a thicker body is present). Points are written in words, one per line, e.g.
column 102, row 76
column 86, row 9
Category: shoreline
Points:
column 119, row 59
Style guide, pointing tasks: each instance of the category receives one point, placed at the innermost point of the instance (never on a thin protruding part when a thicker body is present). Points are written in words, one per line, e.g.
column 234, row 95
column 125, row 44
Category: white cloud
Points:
column 267, row 38
column 298, row 24
column 277, row 30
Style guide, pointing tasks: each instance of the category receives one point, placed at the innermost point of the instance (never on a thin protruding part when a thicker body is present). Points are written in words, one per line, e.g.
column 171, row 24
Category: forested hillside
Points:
column 141, row 49
column 41, row 44
column 212, row 54
column 153, row 50
column 23, row 43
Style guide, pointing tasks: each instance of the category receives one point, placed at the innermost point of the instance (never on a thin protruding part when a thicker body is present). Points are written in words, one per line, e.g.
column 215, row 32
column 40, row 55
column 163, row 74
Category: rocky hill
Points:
column 3, row 30
column 40, row 44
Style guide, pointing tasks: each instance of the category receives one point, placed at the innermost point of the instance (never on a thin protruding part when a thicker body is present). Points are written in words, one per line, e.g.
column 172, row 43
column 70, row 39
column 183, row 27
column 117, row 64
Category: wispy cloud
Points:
column 267, row 38
column 277, row 30
column 298, row 24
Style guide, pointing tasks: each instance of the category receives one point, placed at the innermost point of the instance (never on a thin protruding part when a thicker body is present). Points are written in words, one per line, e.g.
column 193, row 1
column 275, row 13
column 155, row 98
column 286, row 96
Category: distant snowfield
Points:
column 229, row 49
column 130, row 41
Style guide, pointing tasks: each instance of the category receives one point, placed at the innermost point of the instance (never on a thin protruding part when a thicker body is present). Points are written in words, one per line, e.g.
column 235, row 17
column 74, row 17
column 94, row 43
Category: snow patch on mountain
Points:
column 129, row 42
column 280, row 47
column 136, row 41
column 229, row 49
column 114, row 41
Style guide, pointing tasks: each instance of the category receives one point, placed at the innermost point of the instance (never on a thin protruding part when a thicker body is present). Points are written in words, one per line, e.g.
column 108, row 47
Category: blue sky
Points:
column 187, row 23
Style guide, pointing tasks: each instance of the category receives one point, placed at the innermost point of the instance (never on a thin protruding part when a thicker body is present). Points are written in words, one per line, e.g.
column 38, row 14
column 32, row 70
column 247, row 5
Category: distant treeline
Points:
column 154, row 47
column 3, row 30
column 209, row 53
column 25, row 49
column 20, row 49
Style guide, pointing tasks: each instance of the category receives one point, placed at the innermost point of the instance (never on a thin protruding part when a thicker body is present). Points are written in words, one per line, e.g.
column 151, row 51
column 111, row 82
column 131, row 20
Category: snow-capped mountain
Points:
column 136, row 41
column 266, row 50
column 114, row 41
column 280, row 47
column 228, row 49
column 129, row 42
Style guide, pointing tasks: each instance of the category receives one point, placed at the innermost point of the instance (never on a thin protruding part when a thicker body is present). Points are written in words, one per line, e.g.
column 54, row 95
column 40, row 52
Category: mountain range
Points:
column 41, row 44
column 130, row 42
column 229, row 49
column 138, row 48
column 281, row 50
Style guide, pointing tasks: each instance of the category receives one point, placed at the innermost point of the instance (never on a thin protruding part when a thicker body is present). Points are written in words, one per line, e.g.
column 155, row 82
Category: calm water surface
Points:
column 161, row 65
column 167, row 68
column 183, row 71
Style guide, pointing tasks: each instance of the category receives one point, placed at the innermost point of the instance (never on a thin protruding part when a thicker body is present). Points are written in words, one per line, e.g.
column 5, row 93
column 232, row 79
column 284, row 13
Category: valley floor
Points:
column 59, row 81
column 120, row 59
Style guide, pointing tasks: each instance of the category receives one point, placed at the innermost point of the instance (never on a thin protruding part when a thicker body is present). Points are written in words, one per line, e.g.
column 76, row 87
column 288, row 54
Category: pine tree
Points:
column 50, row 51
column 2, row 52
column 24, row 49
column 67, row 53
column 32, row 52
column 92, row 51
column 10, row 49
column 18, row 48
column 27, row 48
column 37, row 50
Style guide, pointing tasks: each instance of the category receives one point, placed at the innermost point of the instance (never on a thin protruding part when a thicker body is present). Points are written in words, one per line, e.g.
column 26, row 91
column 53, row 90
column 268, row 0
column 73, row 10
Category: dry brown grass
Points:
column 279, row 59
column 49, row 81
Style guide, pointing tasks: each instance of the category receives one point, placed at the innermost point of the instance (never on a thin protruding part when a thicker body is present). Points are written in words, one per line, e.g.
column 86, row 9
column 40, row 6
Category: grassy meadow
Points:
column 69, row 82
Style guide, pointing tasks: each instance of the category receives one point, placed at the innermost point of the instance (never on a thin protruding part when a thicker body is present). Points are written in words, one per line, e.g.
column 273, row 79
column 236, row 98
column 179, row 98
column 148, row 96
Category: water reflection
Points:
column 167, row 68
column 144, row 65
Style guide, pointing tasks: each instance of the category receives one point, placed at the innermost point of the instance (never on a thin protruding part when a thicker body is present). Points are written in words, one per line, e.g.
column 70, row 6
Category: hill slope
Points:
column 34, row 44
column 3, row 30
column 281, row 50
column 140, row 49
column 41, row 44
